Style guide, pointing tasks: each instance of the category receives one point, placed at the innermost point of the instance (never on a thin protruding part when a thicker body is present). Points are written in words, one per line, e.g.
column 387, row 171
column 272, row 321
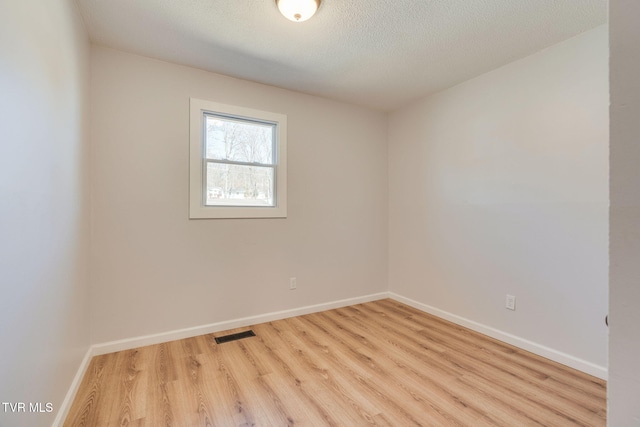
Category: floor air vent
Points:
column 234, row 337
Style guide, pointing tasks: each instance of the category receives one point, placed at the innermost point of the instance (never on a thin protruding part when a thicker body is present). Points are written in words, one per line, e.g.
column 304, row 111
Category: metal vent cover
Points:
column 234, row 337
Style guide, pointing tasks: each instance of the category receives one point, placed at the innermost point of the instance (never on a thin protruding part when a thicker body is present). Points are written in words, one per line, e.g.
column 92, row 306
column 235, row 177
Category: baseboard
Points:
column 63, row 411
column 126, row 344
column 129, row 343
column 540, row 350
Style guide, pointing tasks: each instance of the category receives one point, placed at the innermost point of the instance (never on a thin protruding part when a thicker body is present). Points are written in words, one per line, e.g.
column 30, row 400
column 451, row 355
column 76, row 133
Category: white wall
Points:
column 44, row 329
column 154, row 270
column 624, row 280
column 499, row 186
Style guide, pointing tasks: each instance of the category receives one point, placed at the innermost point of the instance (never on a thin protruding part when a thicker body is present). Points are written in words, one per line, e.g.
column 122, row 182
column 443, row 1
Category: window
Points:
column 238, row 165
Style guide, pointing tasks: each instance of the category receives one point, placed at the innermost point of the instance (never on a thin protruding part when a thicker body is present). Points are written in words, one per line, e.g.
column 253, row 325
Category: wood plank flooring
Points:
column 375, row 364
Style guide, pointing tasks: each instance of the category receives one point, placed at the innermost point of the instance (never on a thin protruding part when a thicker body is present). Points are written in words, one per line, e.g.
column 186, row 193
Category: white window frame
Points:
column 197, row 162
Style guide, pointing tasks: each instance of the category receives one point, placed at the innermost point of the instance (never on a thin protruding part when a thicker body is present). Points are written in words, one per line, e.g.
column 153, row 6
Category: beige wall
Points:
column 624, row 337
column 499, row 186
column 44, row 327
column 154, row 270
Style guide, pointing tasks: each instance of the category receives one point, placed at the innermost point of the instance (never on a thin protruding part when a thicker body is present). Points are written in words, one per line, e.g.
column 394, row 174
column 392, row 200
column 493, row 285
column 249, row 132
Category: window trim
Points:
column 197, row 162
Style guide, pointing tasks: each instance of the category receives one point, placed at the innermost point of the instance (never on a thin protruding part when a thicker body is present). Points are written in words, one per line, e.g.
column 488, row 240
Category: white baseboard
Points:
column 540, row 350
column 73, row 389
column 129, row 343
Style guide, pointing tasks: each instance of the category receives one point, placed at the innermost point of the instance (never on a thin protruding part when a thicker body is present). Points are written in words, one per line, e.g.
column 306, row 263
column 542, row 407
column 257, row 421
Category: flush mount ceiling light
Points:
column 298, row 10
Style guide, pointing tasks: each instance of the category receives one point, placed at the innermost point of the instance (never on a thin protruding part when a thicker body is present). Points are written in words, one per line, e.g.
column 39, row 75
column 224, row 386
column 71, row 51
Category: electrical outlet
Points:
column 510, row 302
column 293, row 283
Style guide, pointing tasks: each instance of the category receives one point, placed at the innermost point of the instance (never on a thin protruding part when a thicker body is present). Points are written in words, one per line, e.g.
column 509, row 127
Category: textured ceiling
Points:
column 381, row 54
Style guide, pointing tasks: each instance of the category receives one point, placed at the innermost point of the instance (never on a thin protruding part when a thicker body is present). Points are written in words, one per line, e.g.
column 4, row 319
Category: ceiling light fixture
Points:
column 298, row 10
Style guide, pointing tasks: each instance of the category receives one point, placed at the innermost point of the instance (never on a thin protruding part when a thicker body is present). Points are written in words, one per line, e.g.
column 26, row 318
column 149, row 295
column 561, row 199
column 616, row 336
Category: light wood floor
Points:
column 380, row 363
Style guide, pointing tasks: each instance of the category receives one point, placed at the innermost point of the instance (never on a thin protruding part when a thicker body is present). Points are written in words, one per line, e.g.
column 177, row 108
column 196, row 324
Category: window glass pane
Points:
column 239, row 141
column 239, row 185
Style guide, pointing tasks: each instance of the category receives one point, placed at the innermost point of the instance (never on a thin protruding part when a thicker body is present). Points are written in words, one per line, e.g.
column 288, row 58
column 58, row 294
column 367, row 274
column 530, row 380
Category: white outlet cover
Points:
column 510, row 302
